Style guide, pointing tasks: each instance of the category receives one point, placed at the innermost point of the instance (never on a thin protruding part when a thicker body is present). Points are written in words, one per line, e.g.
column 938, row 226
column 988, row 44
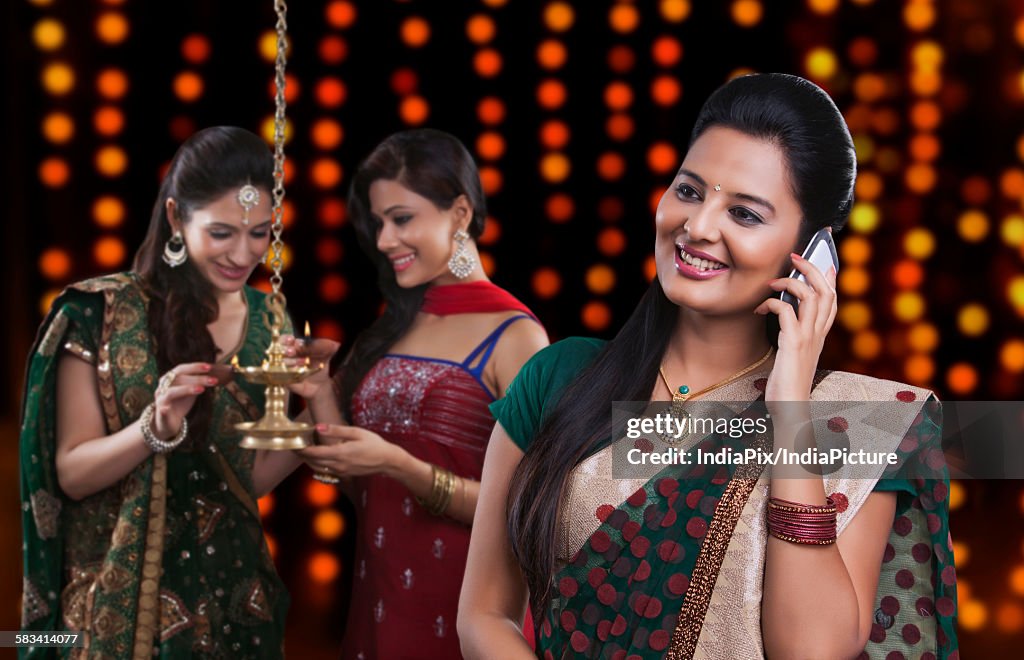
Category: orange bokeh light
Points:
column 319, row 494
column 490, row 145
column 551, row 54
column 112, row 83
column 623, row 18
column 868, row 187
column 109, row 252
column 415, row 32
column 291, row 88
column 621, row 59
column 554, row 134
column 332, row 213
column 618, row 96
column 962, row 378
column 559, row 208
column 331, row 92
column 327, row 133
column 559, row 16
column 58, row 78
column 491, row 233
column 747, row 13
column 666, row 51
column 112, row 27
column 611, row 242
column 920, row 178
column 333, row 49
column 328, row 524
column 551, row 94
column 265, row 504
column 490, row 111
column 611, row 166
column 108, row 211
column 908, row 274
column 555, row 167
column 414, row 110
column 925, row 115
column 333, row 288
column 329, row 251
column 662, row 158
column 869, row 87
column 58, row 127
column 55, row 264
column 863, row 51
column 1011, row 183
column 491, row 180
column 195, row 48
column 325, row 173
column 925, row 147
column 480, row 29
column 976, row 190
column 324, row 567
column 487, row 63
column 666, row 90
column 546, row 283
column 600, row 279
column 404, row 81
column 111, row 161
column 340, row 14
column 188, row 86
column 619, row 127
column 596, row 316
column 108, row 121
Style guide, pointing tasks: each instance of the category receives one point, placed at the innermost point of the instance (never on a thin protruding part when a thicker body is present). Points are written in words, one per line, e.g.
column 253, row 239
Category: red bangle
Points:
column 806, row 524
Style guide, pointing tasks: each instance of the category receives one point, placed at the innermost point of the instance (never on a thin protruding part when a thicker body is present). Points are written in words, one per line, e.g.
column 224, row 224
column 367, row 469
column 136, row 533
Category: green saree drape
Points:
column 170, row 562
column 672, row 565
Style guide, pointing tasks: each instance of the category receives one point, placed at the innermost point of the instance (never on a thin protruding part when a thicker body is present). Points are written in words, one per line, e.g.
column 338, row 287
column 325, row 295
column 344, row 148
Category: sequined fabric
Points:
column 409, row 564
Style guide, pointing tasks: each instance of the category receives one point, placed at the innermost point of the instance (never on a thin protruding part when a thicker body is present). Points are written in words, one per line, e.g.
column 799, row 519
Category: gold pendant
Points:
column 678, row 412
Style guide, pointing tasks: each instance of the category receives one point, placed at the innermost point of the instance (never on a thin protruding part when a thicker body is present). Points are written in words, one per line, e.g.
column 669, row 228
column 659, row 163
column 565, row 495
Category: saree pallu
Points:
column 171, row 561
column 672, row 565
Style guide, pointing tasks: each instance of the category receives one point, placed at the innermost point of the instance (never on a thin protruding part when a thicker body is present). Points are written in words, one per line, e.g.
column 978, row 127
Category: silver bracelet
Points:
column 155, row 444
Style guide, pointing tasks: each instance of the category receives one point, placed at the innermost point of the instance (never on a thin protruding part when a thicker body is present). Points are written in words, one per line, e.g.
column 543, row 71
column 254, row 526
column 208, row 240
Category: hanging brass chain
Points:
column 277, row 247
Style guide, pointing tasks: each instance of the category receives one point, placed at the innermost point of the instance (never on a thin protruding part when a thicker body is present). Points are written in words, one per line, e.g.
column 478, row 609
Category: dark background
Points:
column 948, row 317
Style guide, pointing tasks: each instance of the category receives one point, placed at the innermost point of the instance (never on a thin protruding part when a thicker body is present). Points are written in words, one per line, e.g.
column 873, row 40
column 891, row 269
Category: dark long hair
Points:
column 211, row 163
column 805, row 124
column 434, row 165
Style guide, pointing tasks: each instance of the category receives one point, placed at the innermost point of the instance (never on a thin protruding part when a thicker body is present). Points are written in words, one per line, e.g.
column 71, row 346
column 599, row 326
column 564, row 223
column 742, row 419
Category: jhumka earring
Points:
column 462, row 262
column 248, row 197
column 175, row 252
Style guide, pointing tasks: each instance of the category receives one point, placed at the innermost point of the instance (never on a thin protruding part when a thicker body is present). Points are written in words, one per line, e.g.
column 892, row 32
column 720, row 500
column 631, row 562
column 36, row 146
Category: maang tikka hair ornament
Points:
column 248, row 197
column 462, row 262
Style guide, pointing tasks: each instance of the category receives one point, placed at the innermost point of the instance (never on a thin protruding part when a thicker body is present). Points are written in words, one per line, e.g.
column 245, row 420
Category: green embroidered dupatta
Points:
column 172, row 561
column 671, row 566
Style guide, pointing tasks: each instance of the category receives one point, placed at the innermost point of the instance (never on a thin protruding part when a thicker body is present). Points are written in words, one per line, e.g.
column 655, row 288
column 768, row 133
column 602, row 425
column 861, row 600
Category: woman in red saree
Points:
column 415, row 390
column 731, row 560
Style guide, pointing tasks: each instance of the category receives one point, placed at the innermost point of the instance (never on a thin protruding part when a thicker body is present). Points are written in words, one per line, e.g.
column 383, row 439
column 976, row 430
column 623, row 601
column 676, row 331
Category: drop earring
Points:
column 175, row 252
column 462, row 262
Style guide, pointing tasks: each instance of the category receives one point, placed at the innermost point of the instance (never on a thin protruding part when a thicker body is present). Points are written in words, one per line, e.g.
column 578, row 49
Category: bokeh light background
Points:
column 578, row 114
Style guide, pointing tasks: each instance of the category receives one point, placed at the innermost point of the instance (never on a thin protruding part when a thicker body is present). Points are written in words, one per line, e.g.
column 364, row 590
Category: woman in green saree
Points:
column 718, row 561
column 141, row 529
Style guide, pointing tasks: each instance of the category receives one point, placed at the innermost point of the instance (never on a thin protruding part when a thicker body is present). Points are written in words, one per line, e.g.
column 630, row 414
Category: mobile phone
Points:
column 821, row 251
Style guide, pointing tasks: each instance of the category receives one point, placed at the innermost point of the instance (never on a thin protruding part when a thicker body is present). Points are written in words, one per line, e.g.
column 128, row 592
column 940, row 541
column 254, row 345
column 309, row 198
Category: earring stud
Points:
column 718, row 187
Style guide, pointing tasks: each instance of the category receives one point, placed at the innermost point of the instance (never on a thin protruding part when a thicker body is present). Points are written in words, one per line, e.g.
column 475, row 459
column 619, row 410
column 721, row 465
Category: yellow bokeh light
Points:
column 919, row 369
column 926, row 55
column 111, row 161
column 48, row 34
column 957, row 495
column 867, row 345
column 268, row 45
column 559, row 16
column 1012, row 230
column 112, row 28
column 923, row 337
column 854, row 315
column 555, row 167
column 973, row 226
column 919, row 243
column 675, row 11
column 855, row 250
column 908, row 306
column 821, row 63
column 267, row 129
column 864, row 217
column 747, row 13
column 1015, row 292
column 864, row 147
column 58, row 78
column 972, row 319
column 1011, row 356
column 925, row 83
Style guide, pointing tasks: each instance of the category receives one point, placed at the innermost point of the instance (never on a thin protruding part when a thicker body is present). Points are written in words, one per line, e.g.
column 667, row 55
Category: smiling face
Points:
column 716, row 250
column 223, row 249
column 414, row 234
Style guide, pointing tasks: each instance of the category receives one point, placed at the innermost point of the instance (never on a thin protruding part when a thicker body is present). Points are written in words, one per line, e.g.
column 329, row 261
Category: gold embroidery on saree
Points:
column 46, row 512
column 54, row 335
column 109, row 623
column 174, row 616
column 125, row 316
column 207, row 515
column 80, row 351
column 113, row 578
column 134, row 400
column 148, row 605
column 33, row 607
column 130, row 360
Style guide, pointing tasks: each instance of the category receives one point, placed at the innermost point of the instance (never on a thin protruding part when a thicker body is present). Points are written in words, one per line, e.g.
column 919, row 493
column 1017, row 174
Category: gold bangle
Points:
column 442, row 487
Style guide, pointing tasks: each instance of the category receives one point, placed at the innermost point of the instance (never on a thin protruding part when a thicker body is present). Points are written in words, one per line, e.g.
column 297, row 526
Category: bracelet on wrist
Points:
column 155, row 444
